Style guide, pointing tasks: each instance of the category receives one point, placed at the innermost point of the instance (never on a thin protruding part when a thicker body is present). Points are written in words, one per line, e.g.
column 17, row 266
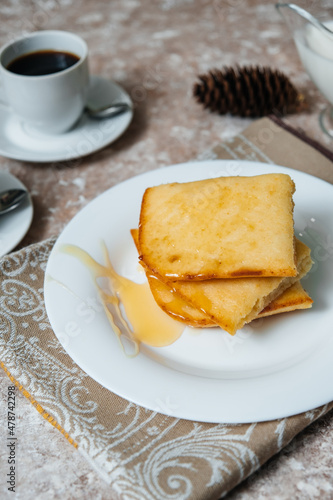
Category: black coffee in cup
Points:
column 42, row 62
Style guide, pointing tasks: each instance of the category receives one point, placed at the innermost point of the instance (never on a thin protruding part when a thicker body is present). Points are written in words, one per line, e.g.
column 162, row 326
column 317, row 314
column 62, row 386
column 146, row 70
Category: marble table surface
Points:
column 155, row 50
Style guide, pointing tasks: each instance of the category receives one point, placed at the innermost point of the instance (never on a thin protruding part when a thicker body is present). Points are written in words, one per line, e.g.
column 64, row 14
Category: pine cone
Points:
column 249, row 91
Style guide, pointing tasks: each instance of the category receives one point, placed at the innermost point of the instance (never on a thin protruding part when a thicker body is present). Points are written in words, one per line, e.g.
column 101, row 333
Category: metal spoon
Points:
column 108, row 111
column 306, row 15
column 11, row 199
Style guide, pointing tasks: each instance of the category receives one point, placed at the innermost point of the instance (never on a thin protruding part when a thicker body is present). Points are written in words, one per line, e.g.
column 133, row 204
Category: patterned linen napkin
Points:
column 141, row 453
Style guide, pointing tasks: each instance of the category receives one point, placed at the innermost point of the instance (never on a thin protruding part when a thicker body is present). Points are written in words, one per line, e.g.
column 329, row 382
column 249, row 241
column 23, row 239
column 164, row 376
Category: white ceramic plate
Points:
column 21, row 142
column 271, row 369
column 14, row 225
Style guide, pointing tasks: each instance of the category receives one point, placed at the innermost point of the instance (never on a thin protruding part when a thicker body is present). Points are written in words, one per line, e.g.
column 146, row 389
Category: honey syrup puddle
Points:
column 143, row 321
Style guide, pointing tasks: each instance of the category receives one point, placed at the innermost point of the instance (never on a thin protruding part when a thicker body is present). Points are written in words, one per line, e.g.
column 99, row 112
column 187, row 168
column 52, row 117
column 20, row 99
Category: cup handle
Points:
column 3, row 101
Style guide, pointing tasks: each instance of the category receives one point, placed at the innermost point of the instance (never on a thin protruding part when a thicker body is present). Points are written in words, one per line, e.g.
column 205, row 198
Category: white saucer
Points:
column 21, row 142
column 15, row 224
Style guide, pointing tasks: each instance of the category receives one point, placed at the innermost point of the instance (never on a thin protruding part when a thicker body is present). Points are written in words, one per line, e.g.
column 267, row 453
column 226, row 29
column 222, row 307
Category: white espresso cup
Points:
column 52, row 102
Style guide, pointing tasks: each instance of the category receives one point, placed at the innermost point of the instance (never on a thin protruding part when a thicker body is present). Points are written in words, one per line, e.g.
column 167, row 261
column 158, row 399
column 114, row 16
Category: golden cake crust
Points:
column 295, row 297
column 228, row 227
column 231, row 303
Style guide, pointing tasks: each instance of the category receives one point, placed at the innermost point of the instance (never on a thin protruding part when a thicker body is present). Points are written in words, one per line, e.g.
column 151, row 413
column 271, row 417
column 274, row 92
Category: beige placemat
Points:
column 140, row 453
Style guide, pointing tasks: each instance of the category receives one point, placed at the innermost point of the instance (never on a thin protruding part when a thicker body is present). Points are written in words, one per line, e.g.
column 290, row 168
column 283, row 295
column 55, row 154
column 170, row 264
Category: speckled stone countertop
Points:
column 155, row 50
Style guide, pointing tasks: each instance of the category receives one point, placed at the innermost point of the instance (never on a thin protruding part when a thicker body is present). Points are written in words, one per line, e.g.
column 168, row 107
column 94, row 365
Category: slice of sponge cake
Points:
column 227, row 227
column 231, row 303
column 216, row 303
column 295, row 297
